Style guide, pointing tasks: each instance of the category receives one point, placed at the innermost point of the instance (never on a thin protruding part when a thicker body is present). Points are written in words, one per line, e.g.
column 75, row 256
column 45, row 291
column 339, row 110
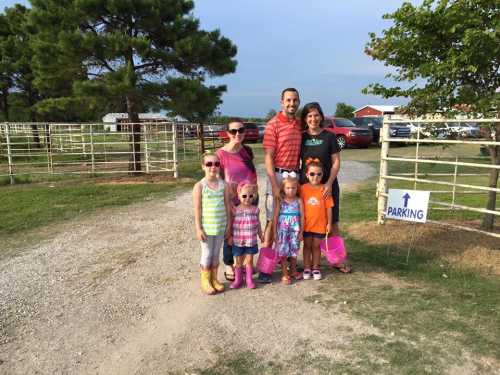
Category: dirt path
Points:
column 117, row 293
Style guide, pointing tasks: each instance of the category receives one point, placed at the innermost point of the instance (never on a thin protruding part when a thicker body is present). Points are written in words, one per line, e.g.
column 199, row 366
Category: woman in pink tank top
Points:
column 236, row 165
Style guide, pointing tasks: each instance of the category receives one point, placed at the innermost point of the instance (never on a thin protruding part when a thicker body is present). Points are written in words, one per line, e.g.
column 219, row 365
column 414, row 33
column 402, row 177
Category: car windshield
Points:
column 344, row 123
column 250, row 125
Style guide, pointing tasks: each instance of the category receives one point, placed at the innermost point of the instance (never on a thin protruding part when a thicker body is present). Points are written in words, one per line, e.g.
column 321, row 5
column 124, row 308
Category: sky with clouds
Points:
column 315, row 46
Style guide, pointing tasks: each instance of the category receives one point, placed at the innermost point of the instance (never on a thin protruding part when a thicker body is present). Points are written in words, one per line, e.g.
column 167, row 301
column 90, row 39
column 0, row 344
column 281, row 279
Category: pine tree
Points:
column 131, row 51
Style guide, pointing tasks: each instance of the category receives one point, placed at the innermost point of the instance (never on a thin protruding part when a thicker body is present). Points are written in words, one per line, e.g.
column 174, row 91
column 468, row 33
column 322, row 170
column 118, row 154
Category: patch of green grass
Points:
column 239, row 363
column 191, row 169
column 27, row 207
column 367, row 209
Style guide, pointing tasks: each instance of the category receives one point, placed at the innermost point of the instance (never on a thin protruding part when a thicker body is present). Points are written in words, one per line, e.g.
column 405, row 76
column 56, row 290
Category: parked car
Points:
column 251, row 133
column 212, row 130
column 430, row 130
column 262, row 129
column 465, row 129
column 397, row 130
column 348, row 133
column 190, row 130
column 442, row 131
column 373, row 123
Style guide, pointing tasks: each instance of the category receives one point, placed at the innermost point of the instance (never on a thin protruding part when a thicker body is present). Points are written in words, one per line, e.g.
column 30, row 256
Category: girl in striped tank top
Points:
column 211, row 214
column 245, row 229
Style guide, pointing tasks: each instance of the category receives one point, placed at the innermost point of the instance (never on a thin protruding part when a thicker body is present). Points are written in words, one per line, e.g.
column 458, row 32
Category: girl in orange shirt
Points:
column 317, row 218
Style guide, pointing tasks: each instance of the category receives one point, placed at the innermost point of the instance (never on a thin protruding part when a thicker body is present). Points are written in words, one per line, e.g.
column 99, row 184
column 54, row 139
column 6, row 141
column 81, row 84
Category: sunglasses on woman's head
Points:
column 244, row 196
column 234, row 131
column 212, row 163
column 312, row 174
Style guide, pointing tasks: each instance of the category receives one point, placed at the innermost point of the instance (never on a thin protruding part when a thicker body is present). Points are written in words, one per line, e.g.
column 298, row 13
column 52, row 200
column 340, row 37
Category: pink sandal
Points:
column 286, row 280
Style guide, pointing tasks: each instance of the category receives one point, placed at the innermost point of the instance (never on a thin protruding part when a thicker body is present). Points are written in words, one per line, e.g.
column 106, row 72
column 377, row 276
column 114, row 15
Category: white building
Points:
column 112, row 121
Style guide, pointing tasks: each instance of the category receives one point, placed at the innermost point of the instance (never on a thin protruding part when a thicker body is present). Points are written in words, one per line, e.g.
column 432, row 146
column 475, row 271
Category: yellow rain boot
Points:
column 213, row 278
column 206, row 287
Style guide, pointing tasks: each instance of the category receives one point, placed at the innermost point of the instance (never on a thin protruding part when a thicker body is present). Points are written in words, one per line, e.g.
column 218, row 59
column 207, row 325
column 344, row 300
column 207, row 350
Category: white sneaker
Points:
column 316, row 274
column 306, row 275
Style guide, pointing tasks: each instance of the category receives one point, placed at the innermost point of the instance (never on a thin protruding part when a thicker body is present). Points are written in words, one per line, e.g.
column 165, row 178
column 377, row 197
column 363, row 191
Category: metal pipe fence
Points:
column 98, row 148
column 67, row 148
column 463, row 176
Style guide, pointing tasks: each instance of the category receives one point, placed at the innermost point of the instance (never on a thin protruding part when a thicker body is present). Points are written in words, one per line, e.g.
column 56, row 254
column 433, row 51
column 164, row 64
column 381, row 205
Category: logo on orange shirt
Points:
column 313, row 201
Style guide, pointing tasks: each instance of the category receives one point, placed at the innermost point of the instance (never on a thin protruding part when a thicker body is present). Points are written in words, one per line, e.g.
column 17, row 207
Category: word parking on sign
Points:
column 407, row 205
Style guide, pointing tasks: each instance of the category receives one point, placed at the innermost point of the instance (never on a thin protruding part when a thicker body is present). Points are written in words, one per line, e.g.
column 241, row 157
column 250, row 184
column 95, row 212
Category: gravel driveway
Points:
column 117, row 293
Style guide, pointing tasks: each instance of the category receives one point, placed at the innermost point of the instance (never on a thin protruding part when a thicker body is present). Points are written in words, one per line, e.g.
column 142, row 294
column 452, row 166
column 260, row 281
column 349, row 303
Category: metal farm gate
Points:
column 457, row 177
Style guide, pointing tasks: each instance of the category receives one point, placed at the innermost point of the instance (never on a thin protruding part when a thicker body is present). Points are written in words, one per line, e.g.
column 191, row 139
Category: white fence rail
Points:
column 478, row 171
column 58, row 148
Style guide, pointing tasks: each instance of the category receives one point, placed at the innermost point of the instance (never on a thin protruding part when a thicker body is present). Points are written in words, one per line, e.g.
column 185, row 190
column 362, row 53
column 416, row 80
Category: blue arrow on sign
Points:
column 406, row 197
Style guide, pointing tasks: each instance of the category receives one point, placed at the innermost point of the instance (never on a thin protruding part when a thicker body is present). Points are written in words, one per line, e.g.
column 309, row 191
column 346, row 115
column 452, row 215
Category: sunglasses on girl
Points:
column 312, row 174
column 212, row 163
column 234, row 131
column 245, row 196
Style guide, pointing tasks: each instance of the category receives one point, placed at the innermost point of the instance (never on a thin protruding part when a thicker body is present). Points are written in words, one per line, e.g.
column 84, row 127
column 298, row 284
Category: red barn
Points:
column 375, row 110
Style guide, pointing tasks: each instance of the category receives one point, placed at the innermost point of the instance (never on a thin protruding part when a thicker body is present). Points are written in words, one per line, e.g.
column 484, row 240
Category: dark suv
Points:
column 397, row 130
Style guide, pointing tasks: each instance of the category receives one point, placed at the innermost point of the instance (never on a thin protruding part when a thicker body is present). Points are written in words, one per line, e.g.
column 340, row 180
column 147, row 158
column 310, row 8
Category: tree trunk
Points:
column 134, row 165
column 5, row 104
column 201, row 138
column 36, row 136
column 489, row 219
column 34, row 128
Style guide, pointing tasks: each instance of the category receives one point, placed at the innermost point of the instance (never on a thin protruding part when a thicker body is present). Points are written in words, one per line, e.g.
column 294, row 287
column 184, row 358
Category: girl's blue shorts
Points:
column 242, row 250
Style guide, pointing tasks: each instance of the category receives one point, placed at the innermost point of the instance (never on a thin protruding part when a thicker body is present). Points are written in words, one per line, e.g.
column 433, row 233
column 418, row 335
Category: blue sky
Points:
column 315, row 46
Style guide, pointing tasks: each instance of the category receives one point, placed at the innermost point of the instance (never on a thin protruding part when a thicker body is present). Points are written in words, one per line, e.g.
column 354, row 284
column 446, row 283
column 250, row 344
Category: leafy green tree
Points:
column 448, row 54
column 17, row 87
column 136, row 52
column 5, row 68
column 344, row 110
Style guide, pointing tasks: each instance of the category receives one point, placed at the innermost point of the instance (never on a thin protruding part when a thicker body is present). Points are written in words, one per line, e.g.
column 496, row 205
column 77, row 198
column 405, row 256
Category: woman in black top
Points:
column 320, row 144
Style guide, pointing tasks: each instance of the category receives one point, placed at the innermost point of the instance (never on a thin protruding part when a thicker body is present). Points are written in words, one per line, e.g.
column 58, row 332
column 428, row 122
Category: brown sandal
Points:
column 229, row 276
column 343, row 268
